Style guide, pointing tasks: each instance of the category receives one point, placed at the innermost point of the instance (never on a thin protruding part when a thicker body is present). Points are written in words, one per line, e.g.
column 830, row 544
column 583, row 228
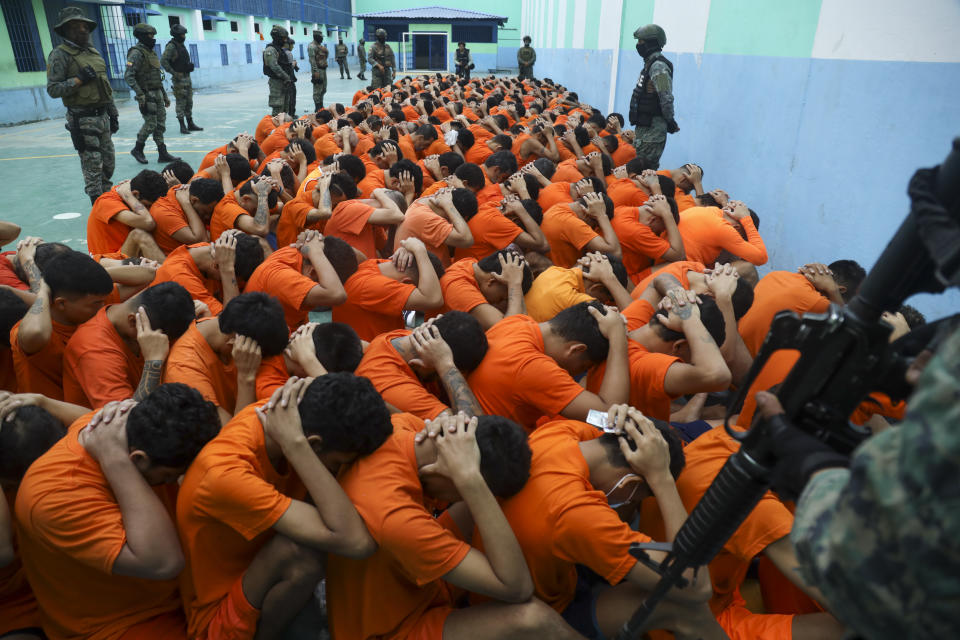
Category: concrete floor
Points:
column 40, row 171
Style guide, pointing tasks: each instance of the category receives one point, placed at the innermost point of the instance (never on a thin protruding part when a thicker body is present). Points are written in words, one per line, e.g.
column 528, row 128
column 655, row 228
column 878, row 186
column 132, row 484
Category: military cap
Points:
column 178, row 30
column 68, row 14
column 649, row 31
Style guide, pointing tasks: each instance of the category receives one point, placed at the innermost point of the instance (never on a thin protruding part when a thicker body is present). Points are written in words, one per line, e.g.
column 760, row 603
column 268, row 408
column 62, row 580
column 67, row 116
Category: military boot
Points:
column 164, row 156
column 183, row 126
column 193, row 125
column 137, row 153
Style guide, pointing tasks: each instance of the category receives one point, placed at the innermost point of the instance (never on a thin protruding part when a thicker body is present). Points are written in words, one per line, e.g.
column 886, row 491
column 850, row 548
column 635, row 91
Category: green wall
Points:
column 10, row 78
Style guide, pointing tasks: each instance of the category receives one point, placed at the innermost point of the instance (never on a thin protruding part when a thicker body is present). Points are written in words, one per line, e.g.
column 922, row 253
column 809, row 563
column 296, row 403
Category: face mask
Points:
column 381, row 39
column 148, row 41
column 617, row 490
column 180, row 38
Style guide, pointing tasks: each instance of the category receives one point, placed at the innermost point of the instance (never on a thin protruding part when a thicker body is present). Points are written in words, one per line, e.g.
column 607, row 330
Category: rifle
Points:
column 844, row 355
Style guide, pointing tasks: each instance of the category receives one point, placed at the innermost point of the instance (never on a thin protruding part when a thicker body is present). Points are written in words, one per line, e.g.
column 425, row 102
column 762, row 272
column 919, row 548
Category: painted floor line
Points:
column 69, row 155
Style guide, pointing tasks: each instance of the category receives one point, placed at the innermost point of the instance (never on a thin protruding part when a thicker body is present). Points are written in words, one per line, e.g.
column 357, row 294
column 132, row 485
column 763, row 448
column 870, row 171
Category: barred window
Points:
column 224, row 60
column 24, row 36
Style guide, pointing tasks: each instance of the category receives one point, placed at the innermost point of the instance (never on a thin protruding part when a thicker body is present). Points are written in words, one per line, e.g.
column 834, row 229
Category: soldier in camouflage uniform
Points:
column 277, row 67
column 317, row 54
column 362, row 58
column 145, row 76
column 77, row 73
column 382, row 61
column 651, row 106
column 526, row 57
column 881, row 540
column 291, row 107
column 176, row 62
column 340, row 53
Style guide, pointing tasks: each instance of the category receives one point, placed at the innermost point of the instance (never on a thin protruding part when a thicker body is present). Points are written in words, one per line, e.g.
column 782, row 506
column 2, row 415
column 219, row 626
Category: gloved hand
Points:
column 190, row 67
column 799, row 455
column 672, row 126
column 114, row 124
column 87, row 74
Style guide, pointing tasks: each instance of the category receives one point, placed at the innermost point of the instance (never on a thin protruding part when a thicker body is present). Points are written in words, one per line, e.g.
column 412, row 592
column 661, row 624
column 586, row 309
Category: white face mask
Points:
column 620, row 483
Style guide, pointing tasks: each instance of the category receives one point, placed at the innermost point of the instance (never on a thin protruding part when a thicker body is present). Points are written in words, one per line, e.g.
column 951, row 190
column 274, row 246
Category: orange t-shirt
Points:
column 420, row 221
column 624, row 153
column 567, row 172
column 648, row 371
column 491, row 231
column 349, row 223
column 556, row 193
column 641, row 246
column 436, row 147
column 516, row 149
column 326, row 145
column 98, row 366
column 490, row 194
column 170, row 218
column 18, row 607
column 271, row 375
column 105, row 233
column 395, row 380
column 293, row 219
column 637, row 313
column 264, row 127
column 70, row 532
column 41, row 372
column 778, row 291
column 706, row 233
column 375, row 302
column 517, row 379
column 562, row 521
column 225, row 215
column 374, row 179
column 553, row 291
column 460, row 289
column 8, row 276
column 179, row 267
column 678, row 269
column 479, row 152
column 567, row 234
column 625, row 193
column 406, row 147
column 281, row 276
column 211, row 157
column 230, row 499
column 276, row 140
column 385, row 596
column 194, row 363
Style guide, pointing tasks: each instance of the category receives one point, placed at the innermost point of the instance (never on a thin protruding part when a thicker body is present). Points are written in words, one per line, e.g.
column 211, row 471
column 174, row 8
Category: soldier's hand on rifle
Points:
column 87, row 74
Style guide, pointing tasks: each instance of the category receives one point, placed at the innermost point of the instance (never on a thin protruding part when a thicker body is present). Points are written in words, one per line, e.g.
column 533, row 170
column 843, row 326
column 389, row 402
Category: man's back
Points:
column 98, row 366
column 778, row 291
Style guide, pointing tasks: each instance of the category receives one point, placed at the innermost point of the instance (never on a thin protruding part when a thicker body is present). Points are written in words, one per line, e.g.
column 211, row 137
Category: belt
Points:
column 87, row 112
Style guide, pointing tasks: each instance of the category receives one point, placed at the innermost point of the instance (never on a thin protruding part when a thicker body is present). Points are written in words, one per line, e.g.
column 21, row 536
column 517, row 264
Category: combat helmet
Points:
column 381, row 33
column 68, row 14
column 652, row 32
column 278, row 33
column 178, row 30
column 144, row 29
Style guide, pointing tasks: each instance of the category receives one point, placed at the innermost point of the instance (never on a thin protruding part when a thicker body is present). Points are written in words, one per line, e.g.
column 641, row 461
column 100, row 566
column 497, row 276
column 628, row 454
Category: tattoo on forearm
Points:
column 38, row 305
column 33, row 275
column 461, row 397
column 260, row 218
column 149, row 379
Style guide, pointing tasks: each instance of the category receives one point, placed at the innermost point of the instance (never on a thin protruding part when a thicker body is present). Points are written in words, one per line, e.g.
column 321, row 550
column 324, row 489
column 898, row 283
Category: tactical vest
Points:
column 151, row 78
column 282, row 60
column 341, row 51
column 525, row 54
column 381, row 54
column 180, row 64
column 645, row 103
column 462, row 56
column 91, row 94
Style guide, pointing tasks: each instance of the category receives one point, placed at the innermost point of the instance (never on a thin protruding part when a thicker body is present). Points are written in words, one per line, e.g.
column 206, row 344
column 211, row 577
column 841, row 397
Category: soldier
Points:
column 177, row 63
column 651, row 106
column 526, row 57
column 340, row 53
column 277, row 67
column 317, row 54
column 77, row 73
column 464, row 60
column 292, row 87
column 145, row 77
column 362, row 59
column 381, row 61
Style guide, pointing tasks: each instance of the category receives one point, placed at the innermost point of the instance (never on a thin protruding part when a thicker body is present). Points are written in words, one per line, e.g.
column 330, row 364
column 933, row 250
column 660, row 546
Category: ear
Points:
column 407, row 280
column 677, row 346
column 841, row 288
column 59, row 302
column 316, row 444
column 576, row 349
column 140, row 460
column 132, row 321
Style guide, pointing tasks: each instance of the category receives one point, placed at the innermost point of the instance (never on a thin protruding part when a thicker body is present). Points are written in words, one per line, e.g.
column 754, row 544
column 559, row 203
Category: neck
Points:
column 58, row 317
column 210, row 330
column 592, row 451
column 274, row 453
column 404, row 348
column 117, row 315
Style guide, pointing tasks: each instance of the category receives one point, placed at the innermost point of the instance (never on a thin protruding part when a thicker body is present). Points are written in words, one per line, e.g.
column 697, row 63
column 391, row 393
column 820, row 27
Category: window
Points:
column 132, row 18
column 249, row 54
column 256, row 27
column 472, row 33
column 173, row 20
column 304, row 31
column 234, row 25
column 224, row 60
column 394, row 31
column 207, row 24
column 194, row 56
column 301, row 52
column 24, row 36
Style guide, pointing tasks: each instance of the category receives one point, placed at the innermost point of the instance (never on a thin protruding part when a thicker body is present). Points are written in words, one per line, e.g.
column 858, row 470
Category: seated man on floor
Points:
column 595, row 277
column 182, row 214
column 489, row 290
column 120, row 219
column 247, row 208
column 641, row 232
column 708, row 231
column 580, row 227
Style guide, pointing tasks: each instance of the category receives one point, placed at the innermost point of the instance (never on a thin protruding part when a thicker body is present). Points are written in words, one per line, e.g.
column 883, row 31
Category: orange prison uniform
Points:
column 460, row 289
column 567, row 172
column 230, row 499
column 375, row 302
column 769, row 521
column 567, row 234
column 349, row 223
column 638, row 313
column 556, row 193
column 326, row 145
column 18, row 607
column 517, row 379
column 293, row 219
column 648, row 372
column 281, row 276
column 491, row 231
column 42, row 371
column 395, row 381
column 490, row 194
column 623, row 154
column 562, row 521
column 422, row 222
column 625, row 193
column 264, row 127
column 271, row 375
column 778, row 291
column 70, row 532
column 878, row 404
column 678, row 269
column 170, row 218
column 225, row 215
column 98, row 366
column 553, row 291
column 374, row 179
column 517, row 147
column 180, row 267
column 432, row 187
column 640, row 246
column 406, row 147
column 104, row 232
column 276, row 140
column 706, row 233
column 479, row 152
column 8, row 276
column 211, row 157
column 436, row 147
column 193, row 362
column 397, row 593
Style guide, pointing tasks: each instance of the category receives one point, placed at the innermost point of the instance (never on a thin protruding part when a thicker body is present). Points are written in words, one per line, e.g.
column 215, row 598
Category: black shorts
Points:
column 581, row 613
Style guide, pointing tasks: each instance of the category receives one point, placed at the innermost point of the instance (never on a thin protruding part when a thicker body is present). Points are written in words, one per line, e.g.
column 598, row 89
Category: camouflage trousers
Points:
column 650, row 141
column 277, row 100
column 343, row 68
column 526, row 72
column 363, row 67
column 92, row 137
column 291, row 99
column 319, row 88
column 183, row 94
column 154, row 117
column 379, row 78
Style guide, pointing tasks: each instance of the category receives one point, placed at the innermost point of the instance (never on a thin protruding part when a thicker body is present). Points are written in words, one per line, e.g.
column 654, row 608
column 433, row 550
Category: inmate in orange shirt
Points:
column 491, row 231
column 225, row 215
column 460, row 289
column 553, row 291
column 778, row 291
column 624, row 193
column 556, row 193
column 98, row 366
column 395, row 381
column 264, row 127
column 193, row 362
column 640, row 245
column 293, row 219
column 70, row 532
column 397, row 592
column 104, row 232
column 281, row 276
column 41, row 372
column 678, row 270
column 567, row 172
column 706, row 233
column 624, row 153
column 516, row 379
column 375, row 302
column 567, row 234
column 18, row 607
column 8, row 276
column 349, row 223
column 373, row 180
column 170, row 218
column 421, row 222
column 230, row 499
column 271, row 375
column 179, row 267
column 648, row 371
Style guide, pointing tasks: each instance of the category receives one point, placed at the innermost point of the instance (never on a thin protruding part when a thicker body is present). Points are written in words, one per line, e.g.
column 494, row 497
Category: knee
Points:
column 533, row 616
column 300, row 563
column 139, row 236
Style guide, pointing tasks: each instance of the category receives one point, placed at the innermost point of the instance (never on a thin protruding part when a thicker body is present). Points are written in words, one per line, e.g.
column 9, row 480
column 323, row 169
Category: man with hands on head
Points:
column 641, row 232
column 440, row 221
column 708, row 231
column 490, row 289
column 182, row 215
column 247, row 208
column 572, row 229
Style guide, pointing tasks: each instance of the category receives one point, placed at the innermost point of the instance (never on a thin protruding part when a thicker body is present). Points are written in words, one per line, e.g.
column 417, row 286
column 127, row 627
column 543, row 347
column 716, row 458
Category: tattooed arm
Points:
column 459, row 393
column 154, row 346
column 36, row 327
column 26, row 250
column 433, row 352
column 149, row 379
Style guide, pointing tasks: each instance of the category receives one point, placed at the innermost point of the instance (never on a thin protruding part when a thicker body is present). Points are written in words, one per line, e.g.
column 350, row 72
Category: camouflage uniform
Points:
column 176, row 62
column 651, row 138
column 280, row 72
column 340, row 53
column 317, row 54
column 362, row 59
column 526, row 57
column 145, row 77
column 882, row 539
column 382, row 54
